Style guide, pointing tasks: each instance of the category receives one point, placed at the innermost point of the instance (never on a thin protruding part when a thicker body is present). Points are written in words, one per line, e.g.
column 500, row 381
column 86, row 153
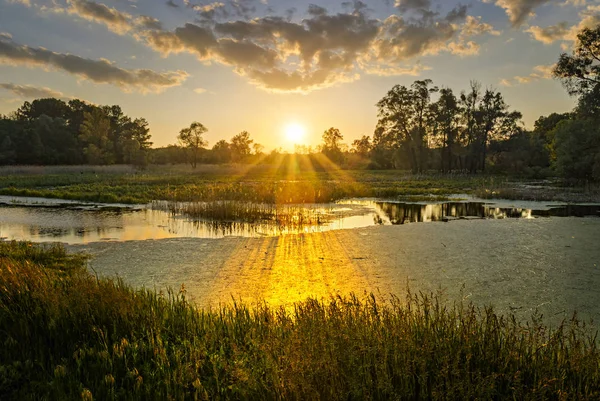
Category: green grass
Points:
column 259, row 184
column 68, row 335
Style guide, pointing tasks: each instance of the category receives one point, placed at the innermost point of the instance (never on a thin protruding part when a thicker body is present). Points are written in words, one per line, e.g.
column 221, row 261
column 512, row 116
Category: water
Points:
column 45, row 220
column 518, row 256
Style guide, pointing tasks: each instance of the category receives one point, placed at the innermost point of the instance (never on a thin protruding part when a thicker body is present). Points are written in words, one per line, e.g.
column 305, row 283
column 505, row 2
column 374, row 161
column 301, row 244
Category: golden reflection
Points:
column 290, row 268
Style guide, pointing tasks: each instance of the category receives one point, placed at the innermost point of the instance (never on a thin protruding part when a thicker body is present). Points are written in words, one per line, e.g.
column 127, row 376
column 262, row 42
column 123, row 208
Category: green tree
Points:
column 445, row 120
column 332, row 144
column 362, row 146
column 402, row 116
column 240, row 146
column 95, row 137
column 578, row 149
column 580, row 71
column 221, row 152
column 191, row 138
column 53, row 108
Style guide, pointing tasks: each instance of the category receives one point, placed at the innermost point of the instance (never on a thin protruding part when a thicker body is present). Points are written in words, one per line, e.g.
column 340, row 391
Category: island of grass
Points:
column 67, row 334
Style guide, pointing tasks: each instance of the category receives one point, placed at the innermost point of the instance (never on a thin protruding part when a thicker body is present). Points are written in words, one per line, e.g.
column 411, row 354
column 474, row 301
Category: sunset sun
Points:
column 295, row 133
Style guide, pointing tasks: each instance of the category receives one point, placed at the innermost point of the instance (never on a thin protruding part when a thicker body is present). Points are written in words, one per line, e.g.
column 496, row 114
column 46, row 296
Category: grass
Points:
column 259, row 184
column 69, row 335
column 282, row 215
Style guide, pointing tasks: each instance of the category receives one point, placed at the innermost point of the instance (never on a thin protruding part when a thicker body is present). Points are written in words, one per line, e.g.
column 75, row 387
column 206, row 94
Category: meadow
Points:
column 283, row 183
column 70, row 335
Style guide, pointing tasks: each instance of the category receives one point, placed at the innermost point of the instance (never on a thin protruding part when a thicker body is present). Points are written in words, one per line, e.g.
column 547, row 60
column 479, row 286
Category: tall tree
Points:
column 362, row 146
column 95, row 136
column 191, row 138
column 332, row 144
column 402, row 117
column 445, row 119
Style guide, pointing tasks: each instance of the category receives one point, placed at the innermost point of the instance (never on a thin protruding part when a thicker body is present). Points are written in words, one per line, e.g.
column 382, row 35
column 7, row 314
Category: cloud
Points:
column 200, row 90
column 31, row 92
column 323, row 49
column 540, row 72
column 117, row 21
column 589, row 18
column 518, row 11
column 170, row 3
column 98, row 71
column 406, row 5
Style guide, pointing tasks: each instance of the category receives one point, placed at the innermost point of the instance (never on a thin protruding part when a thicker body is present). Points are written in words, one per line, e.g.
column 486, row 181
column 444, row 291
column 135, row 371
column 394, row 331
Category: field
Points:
column 271, row 184
column 70, row 335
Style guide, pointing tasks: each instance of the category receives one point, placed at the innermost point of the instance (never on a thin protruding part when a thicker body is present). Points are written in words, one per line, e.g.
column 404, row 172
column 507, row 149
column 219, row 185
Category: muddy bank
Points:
column 548, row 264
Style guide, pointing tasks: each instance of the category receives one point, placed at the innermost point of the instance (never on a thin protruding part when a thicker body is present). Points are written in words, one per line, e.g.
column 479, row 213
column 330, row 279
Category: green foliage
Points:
column 71, row 336
column 577, row 144
column 332, row 142
column 240, row 146
column 51, row 132
column 580, row 71
column 191, row 138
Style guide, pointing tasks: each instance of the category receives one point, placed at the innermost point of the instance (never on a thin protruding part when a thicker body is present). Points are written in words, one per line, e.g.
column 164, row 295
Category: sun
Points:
column 294, row 133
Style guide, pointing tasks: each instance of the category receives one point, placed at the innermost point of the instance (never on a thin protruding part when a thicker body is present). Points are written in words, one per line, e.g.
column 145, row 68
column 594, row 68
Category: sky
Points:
column 265, row 65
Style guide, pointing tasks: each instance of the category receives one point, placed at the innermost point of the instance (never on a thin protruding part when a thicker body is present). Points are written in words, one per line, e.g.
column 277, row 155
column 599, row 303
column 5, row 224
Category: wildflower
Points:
column 86, row 395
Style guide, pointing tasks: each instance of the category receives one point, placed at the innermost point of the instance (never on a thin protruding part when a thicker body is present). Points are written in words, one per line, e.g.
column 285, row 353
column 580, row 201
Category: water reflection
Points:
column 72, row 225
column 402, row 213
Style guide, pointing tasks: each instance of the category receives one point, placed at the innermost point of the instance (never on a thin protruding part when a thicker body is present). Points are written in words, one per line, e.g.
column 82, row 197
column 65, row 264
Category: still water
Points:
column 46, row 220
column 520, row 257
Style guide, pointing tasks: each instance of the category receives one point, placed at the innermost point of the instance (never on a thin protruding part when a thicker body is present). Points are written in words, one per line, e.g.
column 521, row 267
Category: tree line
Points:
column 50, row 131
column 420, row 127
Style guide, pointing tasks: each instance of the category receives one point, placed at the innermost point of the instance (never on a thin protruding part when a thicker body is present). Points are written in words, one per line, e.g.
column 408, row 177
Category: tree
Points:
column 257, row 149
column 402, row 117
column 362, row 146
column 580, row 71
column 240, row 146
column 221, row 152
column 53, row 108
column 543, row 131
column 578, row 149
column 332, row 142
column 191, row 138
column 95, row 132
column 445, row 119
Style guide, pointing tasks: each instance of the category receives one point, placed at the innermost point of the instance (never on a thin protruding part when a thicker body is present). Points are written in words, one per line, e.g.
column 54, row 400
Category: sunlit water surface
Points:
column 518, row 256
column 50, row 220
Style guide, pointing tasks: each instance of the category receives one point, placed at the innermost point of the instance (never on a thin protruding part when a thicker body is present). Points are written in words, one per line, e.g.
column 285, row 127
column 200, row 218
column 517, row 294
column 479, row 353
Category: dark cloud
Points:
column 170, row 3
column 518, row 10
column 31, row 92
column 98, row 71
column 406, row 5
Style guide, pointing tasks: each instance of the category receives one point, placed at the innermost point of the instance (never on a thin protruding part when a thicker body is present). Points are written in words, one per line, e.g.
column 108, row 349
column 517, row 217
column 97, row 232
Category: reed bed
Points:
column 69, row 335
column 284, row 216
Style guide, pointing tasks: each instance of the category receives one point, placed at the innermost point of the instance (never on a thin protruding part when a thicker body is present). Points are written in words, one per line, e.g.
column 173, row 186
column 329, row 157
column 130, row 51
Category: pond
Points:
column 51, row 220
column 520, row 257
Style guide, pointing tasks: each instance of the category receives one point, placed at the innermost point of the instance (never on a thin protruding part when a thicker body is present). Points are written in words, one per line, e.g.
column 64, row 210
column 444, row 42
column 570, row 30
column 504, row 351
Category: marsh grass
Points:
column 69, row 335
column 283, row 215
column 260, row 185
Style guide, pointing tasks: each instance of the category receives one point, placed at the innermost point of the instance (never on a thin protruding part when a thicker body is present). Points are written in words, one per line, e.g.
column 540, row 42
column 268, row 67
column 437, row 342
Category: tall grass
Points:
column 69, row 335
column 285, row 216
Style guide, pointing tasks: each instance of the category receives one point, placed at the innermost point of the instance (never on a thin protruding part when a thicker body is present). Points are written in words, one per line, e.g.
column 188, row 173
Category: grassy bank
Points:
column 69, row 335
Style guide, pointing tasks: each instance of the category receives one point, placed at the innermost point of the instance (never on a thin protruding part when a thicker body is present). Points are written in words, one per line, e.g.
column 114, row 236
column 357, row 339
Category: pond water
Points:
column 50, row 220
column 520, row 257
